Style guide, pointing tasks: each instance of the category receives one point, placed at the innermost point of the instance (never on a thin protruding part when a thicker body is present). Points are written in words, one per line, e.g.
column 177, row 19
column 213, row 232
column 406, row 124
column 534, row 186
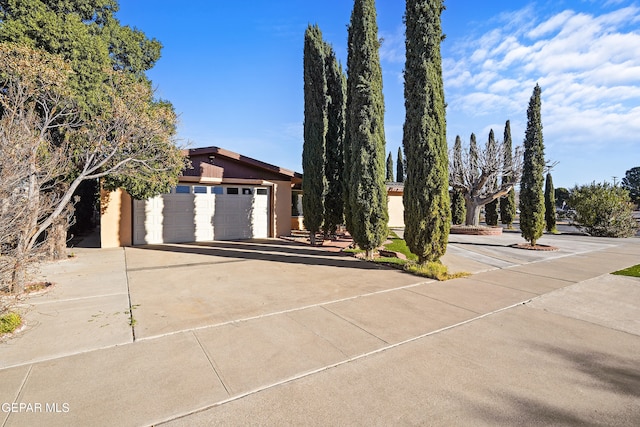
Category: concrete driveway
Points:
column 272, row 333
column 182, row 287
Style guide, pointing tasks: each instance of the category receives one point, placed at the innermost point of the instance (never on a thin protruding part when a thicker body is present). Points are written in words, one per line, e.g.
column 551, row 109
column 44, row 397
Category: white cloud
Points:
column 517, row 22
column 479, row 55
column 588, row 66
column 504, row 86
column 455, row 72
column 551, row 25
column 480, row 103
column 614, row 74
column 591, row 128
column 393, row 47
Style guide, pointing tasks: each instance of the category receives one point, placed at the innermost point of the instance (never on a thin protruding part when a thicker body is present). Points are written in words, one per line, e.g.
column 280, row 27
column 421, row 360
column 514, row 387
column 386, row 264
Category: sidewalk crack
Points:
column 354, row 324
column 443, row 301
column 325, row 339
column 132, row 321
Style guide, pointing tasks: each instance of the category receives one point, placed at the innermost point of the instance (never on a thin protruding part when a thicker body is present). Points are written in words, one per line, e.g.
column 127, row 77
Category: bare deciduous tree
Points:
column 46, row 152
column 34, row 104
column 475, row 173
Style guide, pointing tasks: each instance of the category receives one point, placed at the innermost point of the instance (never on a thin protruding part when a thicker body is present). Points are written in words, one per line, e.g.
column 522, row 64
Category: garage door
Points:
column 196, row 213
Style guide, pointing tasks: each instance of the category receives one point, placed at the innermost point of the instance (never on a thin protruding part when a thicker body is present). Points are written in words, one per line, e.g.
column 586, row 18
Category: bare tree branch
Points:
column 46, row 151
column 481, row 176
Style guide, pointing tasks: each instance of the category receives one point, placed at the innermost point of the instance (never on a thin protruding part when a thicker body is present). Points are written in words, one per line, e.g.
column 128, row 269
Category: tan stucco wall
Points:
column 282, row 208
column 396, row 211
column 115, row 220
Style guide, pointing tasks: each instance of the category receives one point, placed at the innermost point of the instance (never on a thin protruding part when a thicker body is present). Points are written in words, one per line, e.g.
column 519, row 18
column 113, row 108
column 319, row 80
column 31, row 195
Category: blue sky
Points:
column 233, row 71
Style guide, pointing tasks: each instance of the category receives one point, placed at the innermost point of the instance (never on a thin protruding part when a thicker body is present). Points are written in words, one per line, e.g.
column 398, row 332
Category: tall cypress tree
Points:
column 471, row 212
column 315, row 130
column 334, row 168
column 389, row 177
column 473, row 156
column 491, row 208
column 347, row 149
column 427, row 211
column 531, row 194
column 458, row 207
column 550, row 204
column 400, row 166
column 508, row 202
column 365, row 118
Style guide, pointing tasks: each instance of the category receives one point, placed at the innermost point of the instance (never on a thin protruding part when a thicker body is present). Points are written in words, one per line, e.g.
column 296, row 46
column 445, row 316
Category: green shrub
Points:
column 9, row 322
column 433, row 270
column 458, row 208
column 353, row 251
column 603, row 210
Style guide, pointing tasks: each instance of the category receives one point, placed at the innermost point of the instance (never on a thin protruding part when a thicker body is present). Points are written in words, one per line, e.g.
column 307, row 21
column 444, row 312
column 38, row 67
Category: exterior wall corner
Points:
column 116, row 221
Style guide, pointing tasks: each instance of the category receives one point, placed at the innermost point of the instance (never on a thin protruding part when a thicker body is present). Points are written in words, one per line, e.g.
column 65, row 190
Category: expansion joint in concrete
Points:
column 213, row 365
column 19, row 393
column 132, row 322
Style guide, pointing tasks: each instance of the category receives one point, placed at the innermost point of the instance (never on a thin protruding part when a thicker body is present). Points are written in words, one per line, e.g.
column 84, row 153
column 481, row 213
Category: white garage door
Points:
column 196, row 213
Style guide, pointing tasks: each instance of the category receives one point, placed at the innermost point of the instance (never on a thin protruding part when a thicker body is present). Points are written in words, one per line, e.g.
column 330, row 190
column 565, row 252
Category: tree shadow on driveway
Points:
column 279, row 246
column 604, row 381
column 282, row 252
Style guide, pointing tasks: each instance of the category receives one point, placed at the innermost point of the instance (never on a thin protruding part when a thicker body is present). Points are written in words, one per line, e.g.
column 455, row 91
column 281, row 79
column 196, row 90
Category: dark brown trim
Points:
column 217, row 151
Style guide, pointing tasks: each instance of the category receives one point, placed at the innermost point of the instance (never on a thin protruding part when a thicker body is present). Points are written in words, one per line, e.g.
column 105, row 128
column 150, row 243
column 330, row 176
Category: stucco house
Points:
column 395, row 207
column 225, row 196
column 395, row 190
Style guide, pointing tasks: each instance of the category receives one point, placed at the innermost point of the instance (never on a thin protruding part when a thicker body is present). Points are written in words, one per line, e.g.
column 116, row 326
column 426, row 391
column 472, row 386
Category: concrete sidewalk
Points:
column 263, row 333
column 87, row 309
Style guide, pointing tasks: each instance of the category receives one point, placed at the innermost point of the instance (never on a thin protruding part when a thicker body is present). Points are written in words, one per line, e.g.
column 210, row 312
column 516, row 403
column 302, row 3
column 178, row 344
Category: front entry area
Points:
column 197, row 213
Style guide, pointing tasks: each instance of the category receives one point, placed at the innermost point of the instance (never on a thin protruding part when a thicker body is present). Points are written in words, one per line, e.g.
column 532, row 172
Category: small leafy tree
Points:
column 631, row 182
column 603, row 210
column 389, row 176
column 87, row 35
column 550, row 204
column 531, row 193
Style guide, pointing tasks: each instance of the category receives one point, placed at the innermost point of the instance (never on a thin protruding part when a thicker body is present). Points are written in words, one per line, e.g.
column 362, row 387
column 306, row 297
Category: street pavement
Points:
column 272, row 332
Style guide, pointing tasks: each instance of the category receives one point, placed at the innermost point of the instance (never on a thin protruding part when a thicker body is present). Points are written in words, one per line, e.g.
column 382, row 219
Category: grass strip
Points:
column 631, row 271
column 431, row 270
